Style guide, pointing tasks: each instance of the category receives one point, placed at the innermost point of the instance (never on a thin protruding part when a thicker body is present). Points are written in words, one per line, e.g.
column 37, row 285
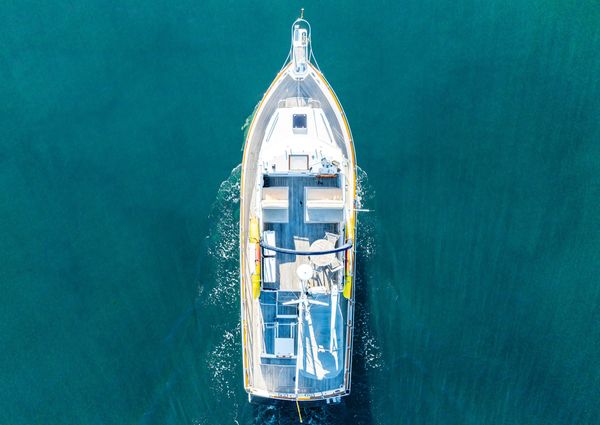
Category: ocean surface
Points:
column 477, row 130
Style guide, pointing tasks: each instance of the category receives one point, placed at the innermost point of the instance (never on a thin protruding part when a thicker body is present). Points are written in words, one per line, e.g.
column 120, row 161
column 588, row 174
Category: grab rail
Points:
column 344, row 247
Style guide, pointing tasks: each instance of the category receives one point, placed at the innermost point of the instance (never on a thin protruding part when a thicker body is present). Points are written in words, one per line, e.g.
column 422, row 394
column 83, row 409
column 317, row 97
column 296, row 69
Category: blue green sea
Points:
column 477, row 131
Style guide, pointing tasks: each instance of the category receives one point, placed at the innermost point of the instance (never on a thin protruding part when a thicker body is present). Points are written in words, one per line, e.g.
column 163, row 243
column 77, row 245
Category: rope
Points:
column 287, row 59
column 314, row 58
column 298, row 407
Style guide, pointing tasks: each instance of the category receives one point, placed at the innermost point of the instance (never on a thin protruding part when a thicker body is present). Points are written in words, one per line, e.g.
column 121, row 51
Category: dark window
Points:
column 299, row 121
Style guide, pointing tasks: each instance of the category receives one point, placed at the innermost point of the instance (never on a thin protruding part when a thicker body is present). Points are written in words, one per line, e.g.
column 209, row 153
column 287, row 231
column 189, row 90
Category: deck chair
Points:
column 269, row 270
column 269, row 238
column 301, row 243
column 332, row 237
column 335, row 265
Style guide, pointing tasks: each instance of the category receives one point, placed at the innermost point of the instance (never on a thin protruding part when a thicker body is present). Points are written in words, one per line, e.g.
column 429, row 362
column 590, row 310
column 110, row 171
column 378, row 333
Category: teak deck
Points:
column 296, row 234
column 278, row 373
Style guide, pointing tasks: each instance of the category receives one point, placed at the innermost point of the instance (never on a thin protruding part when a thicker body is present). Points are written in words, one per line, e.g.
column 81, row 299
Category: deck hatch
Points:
column 298, row 162
column 299, row 121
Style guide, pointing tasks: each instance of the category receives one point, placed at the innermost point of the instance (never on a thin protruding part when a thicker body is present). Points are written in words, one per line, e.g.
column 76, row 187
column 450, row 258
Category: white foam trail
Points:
column 222, row 362
column 367, row 346
column 222, row 289
column 223, row 243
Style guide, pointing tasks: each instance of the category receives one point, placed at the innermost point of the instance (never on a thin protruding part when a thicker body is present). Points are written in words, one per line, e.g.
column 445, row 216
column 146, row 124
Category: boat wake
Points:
column 201, row 355
column 220, row 293
column 367, row 349
column 223, row 243
column 214, row 343
column 223, row 360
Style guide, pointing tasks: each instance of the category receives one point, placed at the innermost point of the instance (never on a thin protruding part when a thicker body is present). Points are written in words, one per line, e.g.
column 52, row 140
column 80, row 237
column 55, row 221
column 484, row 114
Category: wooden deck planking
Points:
column 296, row 234
column 279, row 378
column 278, row 375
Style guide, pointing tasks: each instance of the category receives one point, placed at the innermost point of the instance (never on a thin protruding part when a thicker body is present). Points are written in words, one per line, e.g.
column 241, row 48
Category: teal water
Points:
column 477, row 125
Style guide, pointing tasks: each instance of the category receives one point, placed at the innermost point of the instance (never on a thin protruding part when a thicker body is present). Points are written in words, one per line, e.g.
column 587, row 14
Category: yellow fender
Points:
column 349, row 261
column 348, row 287
column 256, row 275
column 255, row 285
column 350, row 228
